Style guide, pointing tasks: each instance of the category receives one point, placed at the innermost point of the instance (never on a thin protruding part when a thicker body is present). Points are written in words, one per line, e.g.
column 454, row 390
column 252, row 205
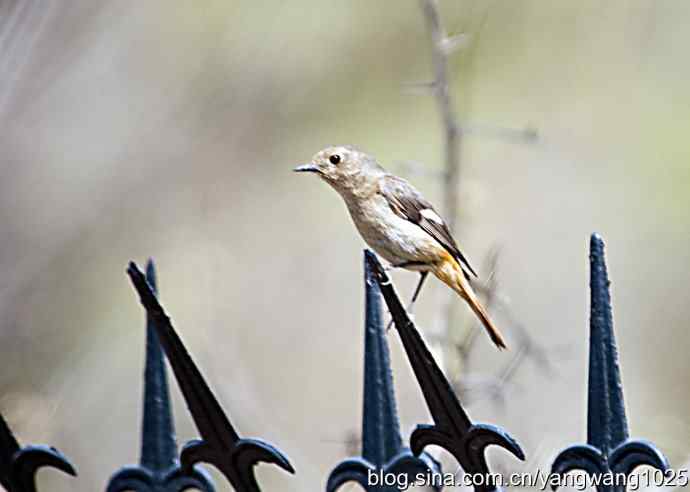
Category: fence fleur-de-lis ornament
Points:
column 609, row 450
column 159, row 469
column 452, row 429
column 220, row 445
column 382, row 449
column 18, row 465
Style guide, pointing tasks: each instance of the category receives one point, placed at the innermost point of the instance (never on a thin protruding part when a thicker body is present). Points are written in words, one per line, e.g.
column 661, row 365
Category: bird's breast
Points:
column 396, row 239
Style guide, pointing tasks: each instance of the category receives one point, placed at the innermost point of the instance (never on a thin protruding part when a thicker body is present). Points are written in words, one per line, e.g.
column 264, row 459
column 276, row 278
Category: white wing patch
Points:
column 429, row 214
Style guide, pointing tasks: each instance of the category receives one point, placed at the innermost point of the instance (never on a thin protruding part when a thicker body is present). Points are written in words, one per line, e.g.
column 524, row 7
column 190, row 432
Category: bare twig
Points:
column 452, row 141
column 526, row 343
column 444, row 101
column 525, row 135
column 525, row 348
column 441, row 47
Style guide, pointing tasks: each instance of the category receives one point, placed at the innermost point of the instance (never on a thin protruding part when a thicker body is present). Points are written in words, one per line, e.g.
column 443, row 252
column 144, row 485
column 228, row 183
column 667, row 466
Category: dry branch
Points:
column 526, row 347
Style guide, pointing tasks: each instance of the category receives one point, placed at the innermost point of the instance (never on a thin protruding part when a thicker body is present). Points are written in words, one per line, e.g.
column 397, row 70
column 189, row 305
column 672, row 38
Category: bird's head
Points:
column 344, row 167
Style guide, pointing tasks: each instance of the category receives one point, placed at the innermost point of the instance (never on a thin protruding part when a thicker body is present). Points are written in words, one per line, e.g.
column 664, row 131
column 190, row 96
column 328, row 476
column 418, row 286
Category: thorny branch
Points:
column 452, row 141
column 526, row 347
column 441, row 90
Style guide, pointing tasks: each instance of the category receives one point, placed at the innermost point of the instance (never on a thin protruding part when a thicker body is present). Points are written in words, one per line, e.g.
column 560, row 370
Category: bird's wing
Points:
column 409, row 204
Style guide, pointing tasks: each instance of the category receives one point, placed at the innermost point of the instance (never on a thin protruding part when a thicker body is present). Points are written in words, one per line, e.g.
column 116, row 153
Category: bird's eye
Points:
column 335, row 159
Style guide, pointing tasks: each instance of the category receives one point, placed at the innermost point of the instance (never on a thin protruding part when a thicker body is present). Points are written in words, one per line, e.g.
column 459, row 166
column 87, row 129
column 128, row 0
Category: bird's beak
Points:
column 307, row 168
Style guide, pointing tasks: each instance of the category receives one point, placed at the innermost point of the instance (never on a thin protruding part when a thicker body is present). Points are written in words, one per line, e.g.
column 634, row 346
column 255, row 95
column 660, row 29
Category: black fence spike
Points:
column 607, row 424
column 158, row 470
column 158, row 446
column 220, row 445
column 18, row 465
column 608, row 448
column 452, row 430
column 380, row 426
column 382, row 448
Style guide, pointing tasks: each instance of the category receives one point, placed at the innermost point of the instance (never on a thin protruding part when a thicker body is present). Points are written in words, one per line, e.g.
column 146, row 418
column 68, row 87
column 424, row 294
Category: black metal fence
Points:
column 386, row 462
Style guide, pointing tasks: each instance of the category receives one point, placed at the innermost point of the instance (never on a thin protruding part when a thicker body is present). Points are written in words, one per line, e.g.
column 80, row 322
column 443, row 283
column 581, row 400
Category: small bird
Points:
column 397, row 222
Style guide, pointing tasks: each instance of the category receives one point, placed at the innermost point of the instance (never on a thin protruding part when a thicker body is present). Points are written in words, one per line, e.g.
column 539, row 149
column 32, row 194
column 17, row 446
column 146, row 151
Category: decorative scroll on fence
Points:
column 18, row 465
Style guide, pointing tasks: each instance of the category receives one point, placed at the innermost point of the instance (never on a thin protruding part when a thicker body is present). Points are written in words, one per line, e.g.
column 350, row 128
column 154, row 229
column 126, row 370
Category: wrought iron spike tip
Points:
column 158, row 446
column 382, row 448
column 380, row 426
column 221, row 446
column 443, row 404
column 453, row 429
column 158, row 468
column 18, row 465
column 146, row 293
column 607, row 424
column 151, row 276
column 608, row 445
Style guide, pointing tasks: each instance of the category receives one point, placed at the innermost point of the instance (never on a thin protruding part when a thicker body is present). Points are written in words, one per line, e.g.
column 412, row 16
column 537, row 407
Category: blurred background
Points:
column 169, row 129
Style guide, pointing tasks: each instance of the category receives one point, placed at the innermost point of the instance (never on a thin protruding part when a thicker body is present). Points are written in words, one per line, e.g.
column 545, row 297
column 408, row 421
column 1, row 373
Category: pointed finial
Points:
column 158, row 447
column 220, row 445
column 608, row 448
column 380, row 426
column 607, row 425
column 452, row 430
column 382, row 448
column 159, row 469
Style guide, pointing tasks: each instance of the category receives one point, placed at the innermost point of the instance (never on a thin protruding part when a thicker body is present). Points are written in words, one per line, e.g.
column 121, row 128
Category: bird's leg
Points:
column 422, row 278
column 417, row 290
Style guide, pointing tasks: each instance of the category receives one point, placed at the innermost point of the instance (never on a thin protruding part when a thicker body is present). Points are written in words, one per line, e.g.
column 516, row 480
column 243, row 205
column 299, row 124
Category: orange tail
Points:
column 450, row 273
